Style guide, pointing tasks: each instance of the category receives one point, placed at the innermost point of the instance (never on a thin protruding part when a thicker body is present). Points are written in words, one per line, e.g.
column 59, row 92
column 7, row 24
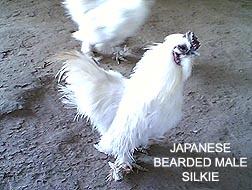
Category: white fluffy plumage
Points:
column 104, row 24
column 129, row 112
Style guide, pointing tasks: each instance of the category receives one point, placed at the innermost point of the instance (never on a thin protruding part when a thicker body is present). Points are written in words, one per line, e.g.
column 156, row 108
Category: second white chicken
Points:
column 104, row 24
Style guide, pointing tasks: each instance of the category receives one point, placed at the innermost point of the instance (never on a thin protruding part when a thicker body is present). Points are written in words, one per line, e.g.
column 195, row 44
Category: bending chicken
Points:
column 104, row 24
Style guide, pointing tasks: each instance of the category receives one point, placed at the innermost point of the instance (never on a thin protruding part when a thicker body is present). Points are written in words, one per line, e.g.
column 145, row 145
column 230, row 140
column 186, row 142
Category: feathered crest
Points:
column 193, row 39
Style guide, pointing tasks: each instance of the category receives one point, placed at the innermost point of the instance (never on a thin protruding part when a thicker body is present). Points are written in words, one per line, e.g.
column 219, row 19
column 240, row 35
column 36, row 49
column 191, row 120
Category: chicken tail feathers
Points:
column 93, row 91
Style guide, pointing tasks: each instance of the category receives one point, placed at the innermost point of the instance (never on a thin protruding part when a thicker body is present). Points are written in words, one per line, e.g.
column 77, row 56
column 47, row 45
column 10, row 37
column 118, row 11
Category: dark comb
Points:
column 192, row 38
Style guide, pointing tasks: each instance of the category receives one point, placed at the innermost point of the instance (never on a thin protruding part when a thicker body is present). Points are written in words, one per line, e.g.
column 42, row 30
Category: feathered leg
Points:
column 119, row 169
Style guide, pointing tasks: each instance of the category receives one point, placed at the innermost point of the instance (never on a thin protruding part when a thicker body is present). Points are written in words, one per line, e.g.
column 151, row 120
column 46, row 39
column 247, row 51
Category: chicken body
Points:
column 130, row 112
column 104, row 24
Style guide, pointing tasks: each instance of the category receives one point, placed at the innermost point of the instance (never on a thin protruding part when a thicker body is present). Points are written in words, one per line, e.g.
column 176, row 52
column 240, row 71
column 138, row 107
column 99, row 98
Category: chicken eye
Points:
column 183, row 48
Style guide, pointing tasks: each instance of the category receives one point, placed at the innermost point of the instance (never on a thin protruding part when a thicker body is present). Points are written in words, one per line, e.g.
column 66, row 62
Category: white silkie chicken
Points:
column 129, row 112
column 104, row 24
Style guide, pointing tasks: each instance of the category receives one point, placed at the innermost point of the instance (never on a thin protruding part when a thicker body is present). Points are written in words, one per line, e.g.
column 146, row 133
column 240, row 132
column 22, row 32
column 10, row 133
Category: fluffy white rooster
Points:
column 129, row 112
column 104, row 24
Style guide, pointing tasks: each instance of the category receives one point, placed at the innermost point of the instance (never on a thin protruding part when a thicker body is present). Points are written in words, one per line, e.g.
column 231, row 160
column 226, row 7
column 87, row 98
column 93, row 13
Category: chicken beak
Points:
column 194, row 52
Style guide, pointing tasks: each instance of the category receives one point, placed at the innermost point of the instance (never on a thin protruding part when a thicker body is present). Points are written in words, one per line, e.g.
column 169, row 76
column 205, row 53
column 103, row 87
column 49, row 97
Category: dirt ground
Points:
column 41, row 147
